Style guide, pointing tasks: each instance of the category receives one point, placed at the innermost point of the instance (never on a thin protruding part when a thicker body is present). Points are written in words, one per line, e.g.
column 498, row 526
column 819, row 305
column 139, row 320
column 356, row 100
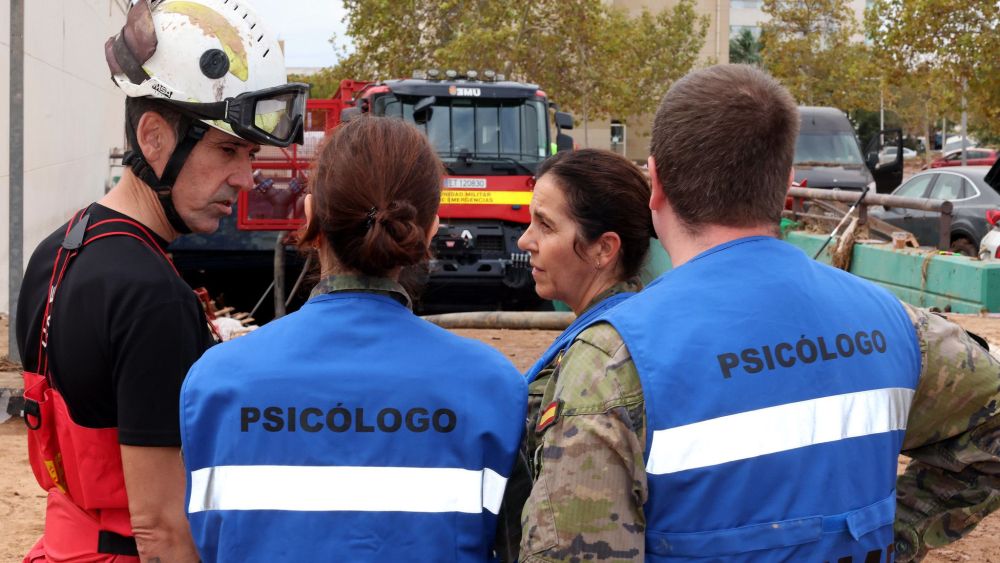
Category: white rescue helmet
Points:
column 218, row 65
column 214, row 60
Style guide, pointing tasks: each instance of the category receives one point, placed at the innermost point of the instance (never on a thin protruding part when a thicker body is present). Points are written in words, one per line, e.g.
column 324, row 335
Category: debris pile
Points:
column 225, row 323
column 229, row 325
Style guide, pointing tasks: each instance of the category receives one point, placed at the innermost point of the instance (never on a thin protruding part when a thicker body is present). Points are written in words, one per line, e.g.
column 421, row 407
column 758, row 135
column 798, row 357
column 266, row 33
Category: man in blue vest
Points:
column 750, row 405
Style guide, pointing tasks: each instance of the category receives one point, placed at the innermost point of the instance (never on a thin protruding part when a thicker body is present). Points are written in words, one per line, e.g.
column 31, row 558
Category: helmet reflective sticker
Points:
column 214, row 25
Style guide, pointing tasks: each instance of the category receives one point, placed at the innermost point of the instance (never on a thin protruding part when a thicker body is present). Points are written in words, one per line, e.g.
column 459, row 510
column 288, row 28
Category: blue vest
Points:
column 350, row 430
column 573, row 330
column 777, row 391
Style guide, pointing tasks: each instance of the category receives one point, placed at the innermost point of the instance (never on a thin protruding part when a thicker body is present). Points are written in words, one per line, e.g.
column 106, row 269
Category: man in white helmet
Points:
column 107, row 328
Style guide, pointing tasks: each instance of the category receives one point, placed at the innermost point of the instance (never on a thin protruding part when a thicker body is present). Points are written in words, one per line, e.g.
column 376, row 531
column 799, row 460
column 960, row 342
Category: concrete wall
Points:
column 716, row 48
column 745, row 13
column 73, row 114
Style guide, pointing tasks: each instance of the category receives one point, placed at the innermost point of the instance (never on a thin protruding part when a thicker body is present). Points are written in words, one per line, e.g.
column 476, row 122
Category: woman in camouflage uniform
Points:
column 588, row 238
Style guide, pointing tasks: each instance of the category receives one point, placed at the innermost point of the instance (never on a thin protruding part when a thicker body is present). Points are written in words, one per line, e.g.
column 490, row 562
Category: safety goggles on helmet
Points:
column 272, row 116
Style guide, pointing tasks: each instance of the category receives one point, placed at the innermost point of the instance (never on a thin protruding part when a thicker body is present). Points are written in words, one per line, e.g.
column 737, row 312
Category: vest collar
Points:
column 632, row 285
column 732, row 243
column 362, row 284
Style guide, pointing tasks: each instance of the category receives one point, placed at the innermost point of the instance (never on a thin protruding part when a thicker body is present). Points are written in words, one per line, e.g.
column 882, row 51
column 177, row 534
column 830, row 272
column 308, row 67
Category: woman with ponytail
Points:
column 352, row 430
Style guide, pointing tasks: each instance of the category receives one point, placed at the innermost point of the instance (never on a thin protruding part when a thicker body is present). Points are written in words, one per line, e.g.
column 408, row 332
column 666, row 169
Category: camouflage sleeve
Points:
column 587, row 500
column 952, row 437
column 508, row 536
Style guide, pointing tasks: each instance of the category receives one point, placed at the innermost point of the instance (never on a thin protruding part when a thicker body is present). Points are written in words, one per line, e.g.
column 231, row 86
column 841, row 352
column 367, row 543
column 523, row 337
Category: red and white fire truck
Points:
column 491, row 135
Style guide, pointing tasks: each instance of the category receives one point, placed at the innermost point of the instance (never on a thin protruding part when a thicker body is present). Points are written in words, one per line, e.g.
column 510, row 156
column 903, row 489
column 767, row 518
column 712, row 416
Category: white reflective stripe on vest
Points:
column 781, row 428
column 365, row 489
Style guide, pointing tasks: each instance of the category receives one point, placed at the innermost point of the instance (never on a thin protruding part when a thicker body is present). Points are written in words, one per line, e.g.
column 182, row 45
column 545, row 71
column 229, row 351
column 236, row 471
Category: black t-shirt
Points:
column 124, row 330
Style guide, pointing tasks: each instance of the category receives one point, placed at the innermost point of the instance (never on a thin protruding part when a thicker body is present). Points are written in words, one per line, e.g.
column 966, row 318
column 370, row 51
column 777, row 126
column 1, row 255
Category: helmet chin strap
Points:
column 191, row 131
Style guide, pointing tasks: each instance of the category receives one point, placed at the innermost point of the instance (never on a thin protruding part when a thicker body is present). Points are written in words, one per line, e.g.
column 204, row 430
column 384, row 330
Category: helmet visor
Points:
column 278, row 116
column 270, row 117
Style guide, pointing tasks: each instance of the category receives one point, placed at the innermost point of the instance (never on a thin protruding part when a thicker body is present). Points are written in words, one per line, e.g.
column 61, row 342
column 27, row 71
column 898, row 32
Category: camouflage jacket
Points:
column 520, row 483
column 587, row 502
column 362, row 284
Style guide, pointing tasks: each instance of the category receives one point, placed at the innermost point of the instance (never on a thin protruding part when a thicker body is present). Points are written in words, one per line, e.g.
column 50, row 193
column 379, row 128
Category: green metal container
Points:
column 921, row 277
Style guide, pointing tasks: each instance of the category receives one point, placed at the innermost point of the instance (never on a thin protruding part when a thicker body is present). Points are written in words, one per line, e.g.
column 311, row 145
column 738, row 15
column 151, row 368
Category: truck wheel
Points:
column 963, row 246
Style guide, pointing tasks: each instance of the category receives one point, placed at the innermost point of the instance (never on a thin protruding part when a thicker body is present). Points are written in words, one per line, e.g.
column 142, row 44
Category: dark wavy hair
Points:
column 605, row 192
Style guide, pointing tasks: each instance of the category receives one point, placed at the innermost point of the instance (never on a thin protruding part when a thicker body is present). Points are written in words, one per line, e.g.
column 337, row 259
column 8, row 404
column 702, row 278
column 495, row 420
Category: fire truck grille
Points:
column 489, row 243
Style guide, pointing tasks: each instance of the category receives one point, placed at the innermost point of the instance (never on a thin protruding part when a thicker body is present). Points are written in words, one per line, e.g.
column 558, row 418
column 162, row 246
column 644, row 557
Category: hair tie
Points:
column 371, row 217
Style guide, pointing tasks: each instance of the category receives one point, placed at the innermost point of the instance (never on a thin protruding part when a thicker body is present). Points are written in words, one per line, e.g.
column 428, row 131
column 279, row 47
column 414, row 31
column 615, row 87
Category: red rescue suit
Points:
column 86, row 518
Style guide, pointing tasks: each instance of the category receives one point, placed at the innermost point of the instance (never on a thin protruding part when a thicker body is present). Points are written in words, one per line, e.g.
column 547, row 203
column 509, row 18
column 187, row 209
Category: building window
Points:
column 618, row 141
column 746, row 4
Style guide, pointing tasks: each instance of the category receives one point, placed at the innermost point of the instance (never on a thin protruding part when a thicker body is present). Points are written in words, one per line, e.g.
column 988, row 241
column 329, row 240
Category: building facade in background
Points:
column 73, row 114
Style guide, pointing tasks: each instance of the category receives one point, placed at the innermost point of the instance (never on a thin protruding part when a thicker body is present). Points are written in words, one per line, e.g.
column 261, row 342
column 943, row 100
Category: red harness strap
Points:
column 87, row 516
column 42, row 366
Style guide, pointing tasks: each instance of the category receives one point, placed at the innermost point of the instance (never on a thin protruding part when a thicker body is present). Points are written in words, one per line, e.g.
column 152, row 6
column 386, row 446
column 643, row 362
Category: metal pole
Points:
column 15, row 269
column 944, row 230
column 586, row 100
column 965, row 123
column 850, row 196
column 881, row 110
column 279, row 275
column 944, row 134
column 511, row 320
column 718, row 31
column 624, row 140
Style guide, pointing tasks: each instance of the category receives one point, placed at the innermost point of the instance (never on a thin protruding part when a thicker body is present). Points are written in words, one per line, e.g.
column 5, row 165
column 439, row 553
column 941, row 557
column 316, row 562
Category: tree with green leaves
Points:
column 591, row 57
column 921, row 97
column 813, row 48
column 659, row 48
column 745, row 48
column 324, row 83
column 953, row 43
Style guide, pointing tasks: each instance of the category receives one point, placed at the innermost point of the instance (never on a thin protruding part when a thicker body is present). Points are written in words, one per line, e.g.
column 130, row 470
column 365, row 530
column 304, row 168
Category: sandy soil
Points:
column 22, row 503
column 522, row 347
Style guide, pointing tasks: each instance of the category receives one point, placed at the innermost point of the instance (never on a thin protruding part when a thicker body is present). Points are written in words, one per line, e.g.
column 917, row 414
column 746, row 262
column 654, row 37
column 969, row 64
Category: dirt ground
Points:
column 22, row 503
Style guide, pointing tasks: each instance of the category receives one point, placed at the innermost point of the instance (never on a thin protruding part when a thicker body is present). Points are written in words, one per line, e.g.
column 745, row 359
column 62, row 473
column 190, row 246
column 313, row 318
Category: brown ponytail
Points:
column 376, row 188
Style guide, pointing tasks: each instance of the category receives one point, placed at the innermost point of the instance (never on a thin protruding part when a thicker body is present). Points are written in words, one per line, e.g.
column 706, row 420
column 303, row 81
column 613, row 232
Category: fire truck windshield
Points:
column 463, row 130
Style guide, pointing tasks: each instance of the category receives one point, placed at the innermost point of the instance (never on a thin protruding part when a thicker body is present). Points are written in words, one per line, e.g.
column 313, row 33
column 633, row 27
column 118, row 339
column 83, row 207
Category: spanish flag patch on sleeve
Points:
column 549, row 416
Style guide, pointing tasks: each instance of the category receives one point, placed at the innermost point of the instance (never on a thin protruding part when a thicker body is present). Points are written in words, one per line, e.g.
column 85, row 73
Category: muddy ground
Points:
column 22, row 503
